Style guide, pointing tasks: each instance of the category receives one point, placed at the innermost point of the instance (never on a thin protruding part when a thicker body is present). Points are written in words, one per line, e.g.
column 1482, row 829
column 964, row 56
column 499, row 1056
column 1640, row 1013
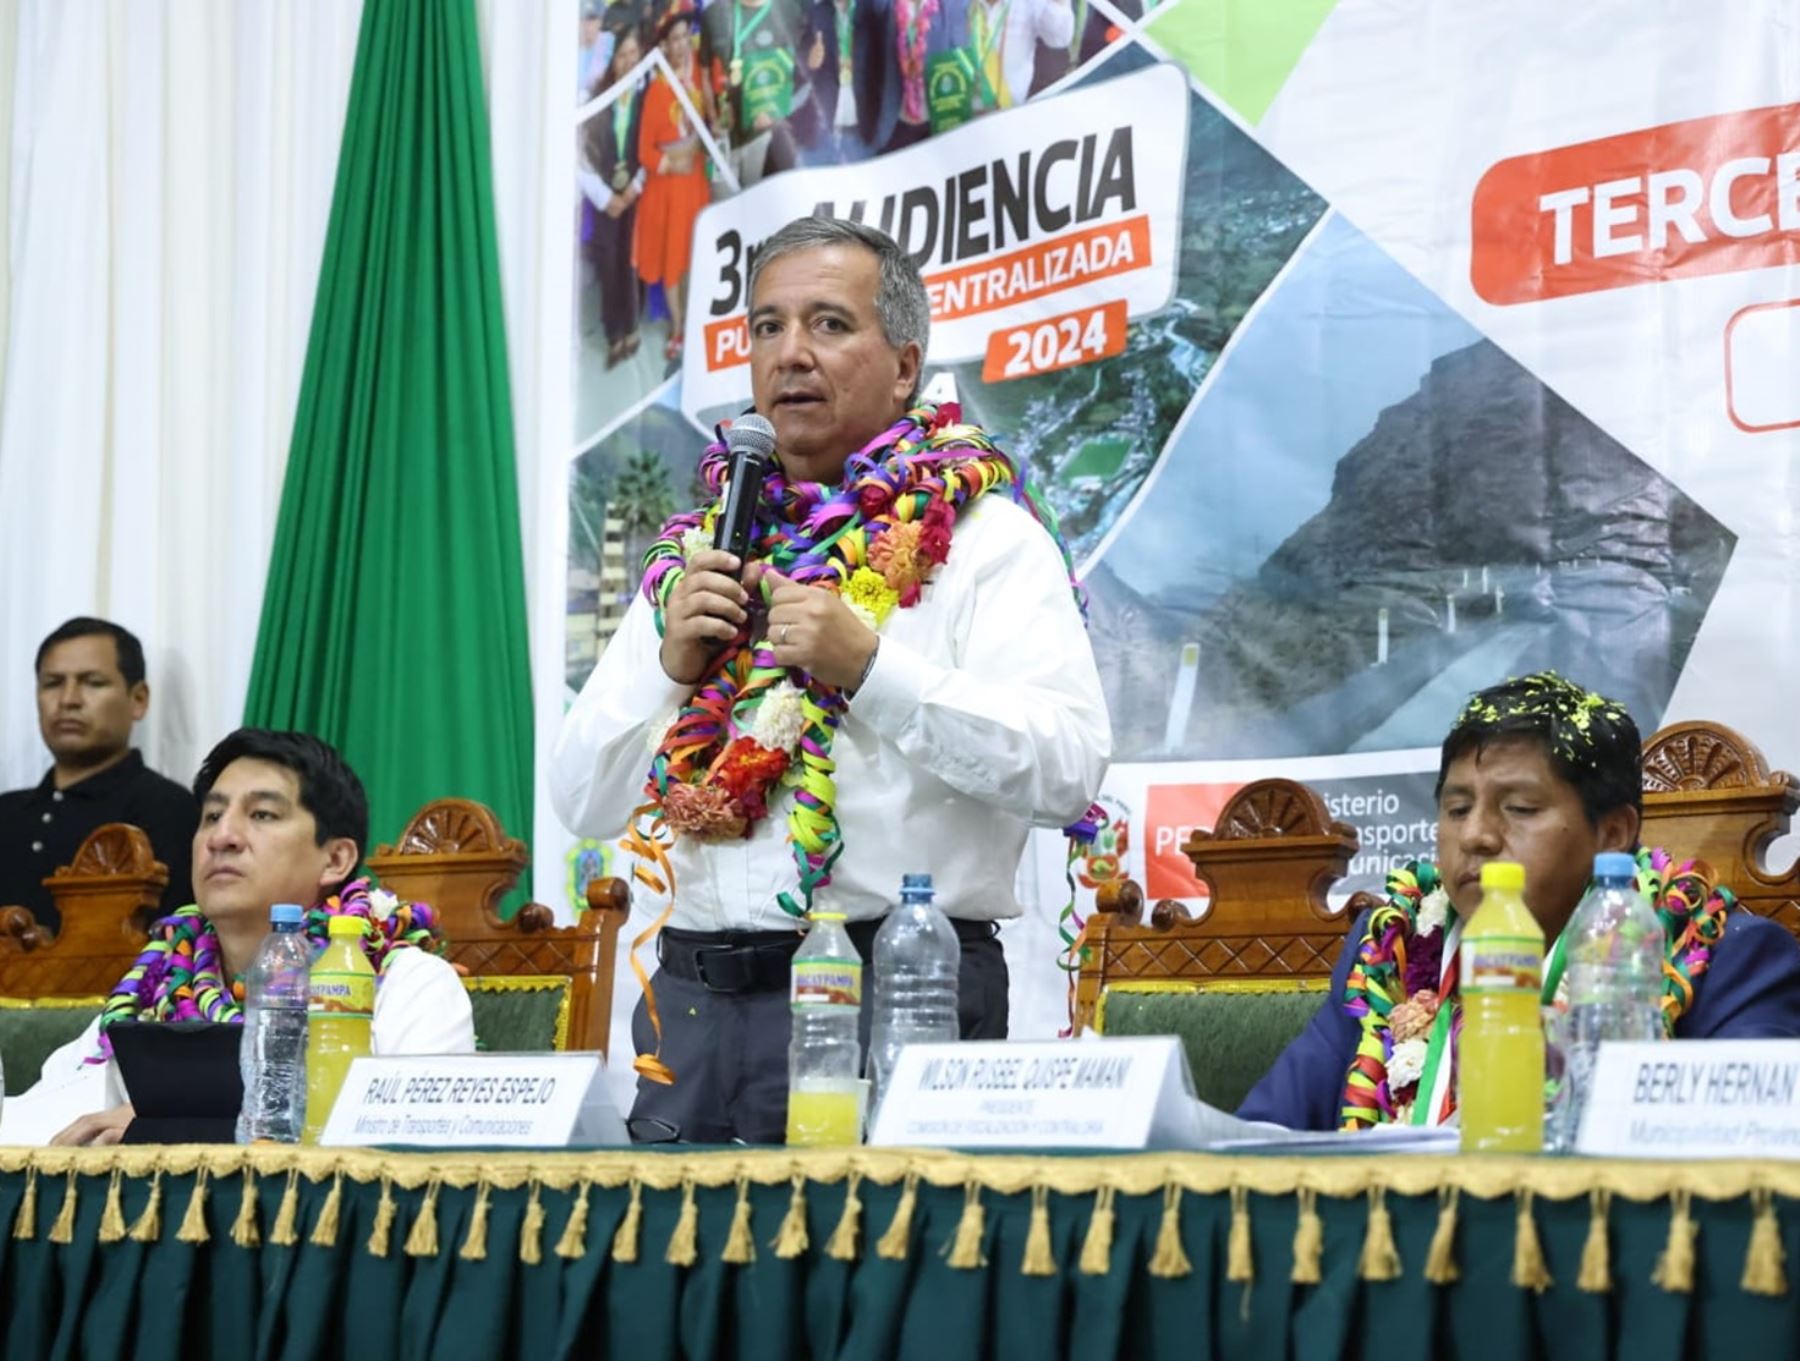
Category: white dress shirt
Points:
column 421, row 1007
column 983, row 715
column 1027, row 23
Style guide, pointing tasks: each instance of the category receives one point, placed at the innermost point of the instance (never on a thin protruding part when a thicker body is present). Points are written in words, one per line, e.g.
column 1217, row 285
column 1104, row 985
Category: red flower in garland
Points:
column 948, row 413
column 747, row 772
column 874, row 499
column 934, row 532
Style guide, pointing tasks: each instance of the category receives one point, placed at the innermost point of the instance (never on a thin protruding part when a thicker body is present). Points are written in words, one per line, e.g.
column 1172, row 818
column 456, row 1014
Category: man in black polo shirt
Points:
column 90, row 690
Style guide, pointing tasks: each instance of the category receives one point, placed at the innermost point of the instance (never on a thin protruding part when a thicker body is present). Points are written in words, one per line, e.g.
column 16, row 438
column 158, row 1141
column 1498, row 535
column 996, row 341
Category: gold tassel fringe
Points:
column 112, row 1217
column 25, row 1222
column 1765, row 1264
column 383, row 1229
column 1309, row 1240
column 1170, row 1260
column 1380, row 1260
column 893, row 1244
column 474, row 1248
column 1440, row 1258
column 149, row 1224
column 243, row 1229
column 422, row 1237
column 1529, row 1270
column 193, row 1220
column 531, row 1231
column 684, row 1243
column 287, row 1214
column 325, row 1232
column 63, row 1230
column 841, row 1247
column 1675, row 1267
column 965, row 1247
column 1240, row 1263
column 740, row 1247
column 792, row 1241
column 1039, row 1260
column 1595, row 1276
column 573, row 1242
column 1096, row 1248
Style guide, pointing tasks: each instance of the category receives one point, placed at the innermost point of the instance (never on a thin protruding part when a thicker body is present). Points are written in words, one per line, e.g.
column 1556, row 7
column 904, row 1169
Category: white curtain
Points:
column 171, row 177
column 530, row 53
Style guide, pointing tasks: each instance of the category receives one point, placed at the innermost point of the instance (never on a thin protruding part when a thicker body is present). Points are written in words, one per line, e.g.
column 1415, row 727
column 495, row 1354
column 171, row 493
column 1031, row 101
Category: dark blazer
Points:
column 875, row 60
column 1750, row 991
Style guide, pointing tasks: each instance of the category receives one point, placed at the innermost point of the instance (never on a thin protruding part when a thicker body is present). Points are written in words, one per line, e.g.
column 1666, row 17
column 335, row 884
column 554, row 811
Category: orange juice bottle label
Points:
column 826, row 982
column 1502, row 964
column 347, row 993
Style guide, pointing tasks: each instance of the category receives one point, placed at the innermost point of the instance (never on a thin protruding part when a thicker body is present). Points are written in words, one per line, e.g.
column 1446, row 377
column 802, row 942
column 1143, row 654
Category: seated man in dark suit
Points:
column 90, row 691
column 1544, row 773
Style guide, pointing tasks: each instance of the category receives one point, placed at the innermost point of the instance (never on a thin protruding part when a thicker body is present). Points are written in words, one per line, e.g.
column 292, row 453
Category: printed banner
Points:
column 1368, row 354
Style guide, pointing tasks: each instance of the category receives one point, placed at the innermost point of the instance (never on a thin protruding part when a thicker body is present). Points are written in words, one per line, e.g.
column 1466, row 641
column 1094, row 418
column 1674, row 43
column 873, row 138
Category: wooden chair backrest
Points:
column 1709, row 795
column 108, row 895
column 1267, row 864
column 455, row 856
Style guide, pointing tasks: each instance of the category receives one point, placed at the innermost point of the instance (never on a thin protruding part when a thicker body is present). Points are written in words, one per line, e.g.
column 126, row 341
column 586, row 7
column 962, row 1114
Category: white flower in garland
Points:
column 694, row 540
column 864, row 615
column 382, row 904
column 1434, row 911
column 1406, row 1065
column 780, row 718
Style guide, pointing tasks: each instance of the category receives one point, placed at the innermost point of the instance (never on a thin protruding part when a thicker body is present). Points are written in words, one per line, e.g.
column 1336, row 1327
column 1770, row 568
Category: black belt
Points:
column 759, row 961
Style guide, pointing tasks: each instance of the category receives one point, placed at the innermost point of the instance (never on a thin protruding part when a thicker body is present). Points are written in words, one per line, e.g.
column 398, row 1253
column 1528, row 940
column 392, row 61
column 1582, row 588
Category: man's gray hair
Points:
column 901, row 304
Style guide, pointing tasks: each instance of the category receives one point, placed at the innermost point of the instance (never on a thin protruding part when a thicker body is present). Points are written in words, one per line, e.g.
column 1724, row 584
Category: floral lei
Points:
column 180, row 976
column 1399, row 981
column 753, row 726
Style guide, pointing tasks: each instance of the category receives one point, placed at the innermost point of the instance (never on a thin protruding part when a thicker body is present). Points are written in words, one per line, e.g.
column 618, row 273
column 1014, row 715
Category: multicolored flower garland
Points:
column 180, row 976
column 1400, row 980
column 754, row 726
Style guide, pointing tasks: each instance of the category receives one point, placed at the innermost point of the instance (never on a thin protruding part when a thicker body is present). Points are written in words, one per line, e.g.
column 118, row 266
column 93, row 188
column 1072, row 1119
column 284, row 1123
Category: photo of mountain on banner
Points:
column 1372, row 511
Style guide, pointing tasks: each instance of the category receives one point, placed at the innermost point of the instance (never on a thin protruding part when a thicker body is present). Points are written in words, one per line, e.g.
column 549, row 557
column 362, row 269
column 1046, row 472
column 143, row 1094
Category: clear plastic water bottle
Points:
column 273, row 1058
column 1614, row 955
column 825, row 1056
column 917, row 959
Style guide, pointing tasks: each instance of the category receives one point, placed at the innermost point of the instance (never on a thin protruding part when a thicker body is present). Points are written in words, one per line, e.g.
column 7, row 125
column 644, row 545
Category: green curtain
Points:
column 393, row 622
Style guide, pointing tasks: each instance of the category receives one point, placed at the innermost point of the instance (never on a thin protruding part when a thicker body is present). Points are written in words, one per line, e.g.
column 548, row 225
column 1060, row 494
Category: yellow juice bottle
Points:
column 1500, row 1066
column 825, row 1055
column 338, row 1018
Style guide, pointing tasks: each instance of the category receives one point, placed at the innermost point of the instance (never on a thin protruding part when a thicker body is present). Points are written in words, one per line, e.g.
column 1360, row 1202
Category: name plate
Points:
column 1694, row 1099
column 1124, row 1093
column 475, row 1101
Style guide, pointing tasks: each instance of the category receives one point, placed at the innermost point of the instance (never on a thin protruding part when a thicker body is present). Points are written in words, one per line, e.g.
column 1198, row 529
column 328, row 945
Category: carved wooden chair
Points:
column 455, row 856
column 1709, row 795
column 52, row 985
column 108, row 896
column 1238, row 983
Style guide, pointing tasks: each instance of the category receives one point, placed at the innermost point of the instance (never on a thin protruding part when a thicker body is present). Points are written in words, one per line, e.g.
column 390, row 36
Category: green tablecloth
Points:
column 185, row 1252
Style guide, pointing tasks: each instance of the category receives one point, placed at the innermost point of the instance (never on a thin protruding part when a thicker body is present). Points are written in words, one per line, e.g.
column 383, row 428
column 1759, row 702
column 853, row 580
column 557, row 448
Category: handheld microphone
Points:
column 751, row 445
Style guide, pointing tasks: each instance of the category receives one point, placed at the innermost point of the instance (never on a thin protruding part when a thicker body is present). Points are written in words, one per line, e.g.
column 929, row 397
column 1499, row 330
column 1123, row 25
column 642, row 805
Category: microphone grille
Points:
column 751, row 434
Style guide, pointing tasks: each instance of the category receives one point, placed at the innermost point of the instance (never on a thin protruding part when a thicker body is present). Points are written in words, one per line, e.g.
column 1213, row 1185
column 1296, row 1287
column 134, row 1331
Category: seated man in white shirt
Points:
column 283, row 819
column 897, row 680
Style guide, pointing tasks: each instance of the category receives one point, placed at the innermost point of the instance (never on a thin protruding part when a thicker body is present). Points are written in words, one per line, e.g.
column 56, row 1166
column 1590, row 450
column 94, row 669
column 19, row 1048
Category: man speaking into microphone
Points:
column 889, row 675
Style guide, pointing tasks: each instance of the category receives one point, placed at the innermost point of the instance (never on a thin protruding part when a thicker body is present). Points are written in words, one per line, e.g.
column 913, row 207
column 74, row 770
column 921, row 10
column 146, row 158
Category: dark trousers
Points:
column 729, row 1051
column 610, row 250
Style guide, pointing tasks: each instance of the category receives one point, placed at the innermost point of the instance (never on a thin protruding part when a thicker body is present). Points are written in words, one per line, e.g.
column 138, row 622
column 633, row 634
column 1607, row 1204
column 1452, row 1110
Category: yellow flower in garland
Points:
column 867, row 591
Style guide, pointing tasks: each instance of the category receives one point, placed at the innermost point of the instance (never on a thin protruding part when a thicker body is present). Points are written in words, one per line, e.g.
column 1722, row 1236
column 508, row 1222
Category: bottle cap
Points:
column 1615, row 865
column 345, row 924
column 914, row 884
column 1502, row 874
column 286, row 914
column 825, row 916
